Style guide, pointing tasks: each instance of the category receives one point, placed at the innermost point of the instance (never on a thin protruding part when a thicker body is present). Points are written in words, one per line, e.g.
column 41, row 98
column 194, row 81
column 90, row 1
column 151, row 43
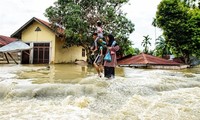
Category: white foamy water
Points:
column 71, row 92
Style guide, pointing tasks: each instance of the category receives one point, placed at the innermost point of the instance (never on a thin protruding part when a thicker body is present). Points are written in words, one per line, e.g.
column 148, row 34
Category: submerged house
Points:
column 148, row 61
column 46, row 44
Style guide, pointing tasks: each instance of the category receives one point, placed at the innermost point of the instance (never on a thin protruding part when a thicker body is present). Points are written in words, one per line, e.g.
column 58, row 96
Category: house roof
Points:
column 15, row 46
column 4, row 40
column 17, row 34
column 144, row 60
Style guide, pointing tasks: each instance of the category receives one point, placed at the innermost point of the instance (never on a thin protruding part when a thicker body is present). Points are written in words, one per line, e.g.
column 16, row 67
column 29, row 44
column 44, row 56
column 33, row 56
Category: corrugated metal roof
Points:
column 144, row 59
column 15, row 46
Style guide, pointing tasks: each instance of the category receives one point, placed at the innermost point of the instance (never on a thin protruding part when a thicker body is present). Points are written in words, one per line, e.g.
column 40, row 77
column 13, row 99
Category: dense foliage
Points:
column 162, row 48
column 180, row 22
column 79, row 19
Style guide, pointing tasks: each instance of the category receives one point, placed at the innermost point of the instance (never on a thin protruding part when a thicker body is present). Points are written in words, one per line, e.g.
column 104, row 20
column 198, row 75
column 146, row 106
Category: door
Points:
column 41, row 53
column 25, row 58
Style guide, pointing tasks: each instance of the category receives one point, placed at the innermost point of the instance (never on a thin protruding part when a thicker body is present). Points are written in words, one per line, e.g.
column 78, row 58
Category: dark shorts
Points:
column 99, row 60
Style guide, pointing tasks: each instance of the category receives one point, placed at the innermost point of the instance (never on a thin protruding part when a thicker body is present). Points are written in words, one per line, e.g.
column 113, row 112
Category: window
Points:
column 83, row 52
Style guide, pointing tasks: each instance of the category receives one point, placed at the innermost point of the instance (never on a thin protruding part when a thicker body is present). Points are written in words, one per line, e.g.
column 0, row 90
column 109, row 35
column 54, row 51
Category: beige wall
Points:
column 58, row 54
column 45, row 35
column 66, row 55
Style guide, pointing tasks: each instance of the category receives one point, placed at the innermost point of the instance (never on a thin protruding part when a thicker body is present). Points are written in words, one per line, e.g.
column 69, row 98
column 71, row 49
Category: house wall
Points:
column 45, row 35
column 66, row 55
column 29, row 35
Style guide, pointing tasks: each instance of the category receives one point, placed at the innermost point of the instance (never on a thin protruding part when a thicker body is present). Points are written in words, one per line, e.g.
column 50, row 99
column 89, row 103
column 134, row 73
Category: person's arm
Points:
column 114, row 48
column 101, row 50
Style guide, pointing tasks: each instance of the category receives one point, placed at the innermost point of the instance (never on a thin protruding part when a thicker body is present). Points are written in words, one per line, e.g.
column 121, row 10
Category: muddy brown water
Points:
column 73, row 92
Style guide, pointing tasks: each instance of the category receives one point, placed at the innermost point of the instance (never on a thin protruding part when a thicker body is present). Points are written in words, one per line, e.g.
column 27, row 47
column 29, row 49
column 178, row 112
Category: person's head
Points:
column 99, row 24
column 110, row 38
column 94, row 35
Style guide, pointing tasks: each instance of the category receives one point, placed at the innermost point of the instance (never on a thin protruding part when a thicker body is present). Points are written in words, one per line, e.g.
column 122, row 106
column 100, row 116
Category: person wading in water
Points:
column 97, row 50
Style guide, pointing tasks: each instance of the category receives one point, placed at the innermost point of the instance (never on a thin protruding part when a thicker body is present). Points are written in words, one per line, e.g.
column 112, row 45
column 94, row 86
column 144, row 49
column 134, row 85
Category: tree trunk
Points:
column 186, row 58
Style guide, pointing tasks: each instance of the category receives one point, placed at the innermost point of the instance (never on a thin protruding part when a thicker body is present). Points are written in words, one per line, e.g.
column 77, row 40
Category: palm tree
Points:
column 162, row 47
column 145, row 43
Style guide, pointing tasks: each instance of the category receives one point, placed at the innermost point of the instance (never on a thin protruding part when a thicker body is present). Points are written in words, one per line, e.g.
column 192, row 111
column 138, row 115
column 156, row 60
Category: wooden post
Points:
column 6, row 57
column 12, row 58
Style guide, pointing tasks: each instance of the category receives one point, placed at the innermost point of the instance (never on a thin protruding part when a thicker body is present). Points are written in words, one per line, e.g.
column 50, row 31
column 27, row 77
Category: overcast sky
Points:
column 15, row 13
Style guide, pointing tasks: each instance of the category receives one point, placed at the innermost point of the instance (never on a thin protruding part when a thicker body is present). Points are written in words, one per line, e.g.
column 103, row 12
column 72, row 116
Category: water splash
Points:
column 40, row 93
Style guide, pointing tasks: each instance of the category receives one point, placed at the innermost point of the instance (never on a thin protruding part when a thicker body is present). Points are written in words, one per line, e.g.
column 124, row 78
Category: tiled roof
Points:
column 144, row 59
column 59, row 30
column 17, row 34
column 4, row 40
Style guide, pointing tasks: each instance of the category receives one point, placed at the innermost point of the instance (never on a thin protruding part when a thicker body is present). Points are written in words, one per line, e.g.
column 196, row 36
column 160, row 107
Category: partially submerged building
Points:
column 148, row 61
column 46, row 44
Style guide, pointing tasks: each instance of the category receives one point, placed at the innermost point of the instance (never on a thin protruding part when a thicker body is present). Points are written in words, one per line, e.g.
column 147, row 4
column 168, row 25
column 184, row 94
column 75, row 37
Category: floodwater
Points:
column 73, row 92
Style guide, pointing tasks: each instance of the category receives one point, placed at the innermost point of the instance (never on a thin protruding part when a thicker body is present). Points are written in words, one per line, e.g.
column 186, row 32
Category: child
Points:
column 99, row 30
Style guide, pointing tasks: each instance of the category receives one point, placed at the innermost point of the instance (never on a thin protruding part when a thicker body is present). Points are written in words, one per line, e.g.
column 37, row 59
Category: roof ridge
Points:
column 145, row 59
column 40, row 21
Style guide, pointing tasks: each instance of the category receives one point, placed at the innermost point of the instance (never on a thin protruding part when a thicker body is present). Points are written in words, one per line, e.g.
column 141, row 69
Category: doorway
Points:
column 41, row 53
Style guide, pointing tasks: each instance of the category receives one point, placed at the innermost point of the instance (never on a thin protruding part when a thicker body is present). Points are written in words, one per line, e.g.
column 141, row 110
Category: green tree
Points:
column 132, row 51
column 79, row 18
column 146, row 43
column 136, row 51
column 195, row 31
column 161, row 47
column 180, row 25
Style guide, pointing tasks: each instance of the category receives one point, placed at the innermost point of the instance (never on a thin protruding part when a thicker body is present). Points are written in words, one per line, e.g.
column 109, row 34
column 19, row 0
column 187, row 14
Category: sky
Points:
column 15, row 13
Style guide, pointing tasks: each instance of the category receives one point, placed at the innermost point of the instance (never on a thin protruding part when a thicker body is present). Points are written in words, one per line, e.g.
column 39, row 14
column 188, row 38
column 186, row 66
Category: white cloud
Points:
column 15, row 13
column 141, row 13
